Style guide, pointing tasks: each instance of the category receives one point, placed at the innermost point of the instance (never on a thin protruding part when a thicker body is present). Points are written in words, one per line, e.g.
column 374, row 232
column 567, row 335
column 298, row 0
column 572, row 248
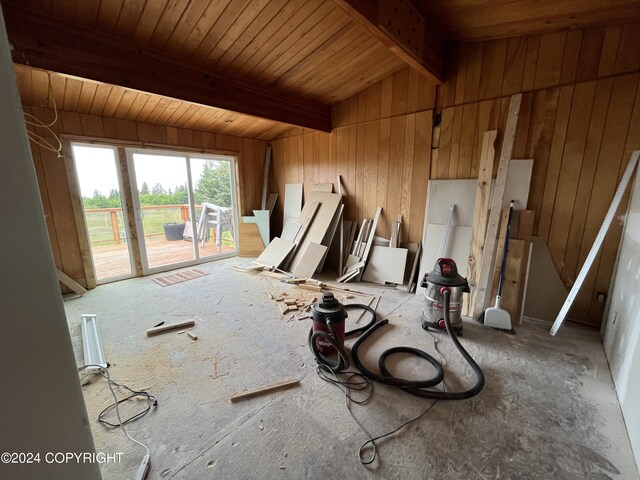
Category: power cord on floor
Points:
column 349, row 381
column 151, row 401
column 143, row 469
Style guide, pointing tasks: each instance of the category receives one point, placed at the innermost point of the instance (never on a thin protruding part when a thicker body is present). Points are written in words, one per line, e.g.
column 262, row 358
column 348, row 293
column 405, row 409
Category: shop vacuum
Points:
column 442, row 311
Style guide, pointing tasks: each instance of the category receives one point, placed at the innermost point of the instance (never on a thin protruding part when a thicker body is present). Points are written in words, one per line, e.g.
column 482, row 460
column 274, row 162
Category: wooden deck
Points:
column 113, row 260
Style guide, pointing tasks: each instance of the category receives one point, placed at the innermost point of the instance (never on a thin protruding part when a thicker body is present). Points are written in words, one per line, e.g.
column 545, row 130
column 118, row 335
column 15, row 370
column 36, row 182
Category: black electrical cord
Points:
column 413, row 386
column 329, row 371
column 151, row 401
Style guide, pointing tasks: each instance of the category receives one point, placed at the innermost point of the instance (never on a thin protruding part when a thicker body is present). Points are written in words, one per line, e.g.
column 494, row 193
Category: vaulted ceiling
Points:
column 254, row 67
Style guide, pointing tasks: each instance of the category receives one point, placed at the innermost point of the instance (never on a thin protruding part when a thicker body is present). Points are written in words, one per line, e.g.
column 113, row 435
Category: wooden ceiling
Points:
column 466, row 20
column 307, row 48
column 88, row 97
column 283, row 60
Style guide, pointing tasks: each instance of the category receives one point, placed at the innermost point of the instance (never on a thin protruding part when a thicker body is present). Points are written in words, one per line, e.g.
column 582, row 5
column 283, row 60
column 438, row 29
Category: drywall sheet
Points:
column 386, row 265
column 545, row 293
column 622, row 330
column 457, row 248
column 441, row 194
column 292, row 203
column 518, row 183
column 275, row 253
column 291, row 231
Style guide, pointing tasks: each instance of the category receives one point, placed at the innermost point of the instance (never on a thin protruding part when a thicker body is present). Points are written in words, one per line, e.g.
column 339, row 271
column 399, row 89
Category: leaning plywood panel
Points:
column 275, row 253
column 250, row 244
column 545, row 292
column 310, row 257
column 328, row 204
column 386, row 265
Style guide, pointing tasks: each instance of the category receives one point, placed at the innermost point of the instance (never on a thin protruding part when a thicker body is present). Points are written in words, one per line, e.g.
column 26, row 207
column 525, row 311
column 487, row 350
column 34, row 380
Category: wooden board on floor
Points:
column 372, row 233
column 250, row 244
column 386, row 265
column 275, row 253
column 264, row 390
column 169, row 326
column 310, row 257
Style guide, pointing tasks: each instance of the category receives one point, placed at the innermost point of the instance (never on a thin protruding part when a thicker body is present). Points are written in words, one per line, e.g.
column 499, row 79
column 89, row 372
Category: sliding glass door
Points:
column 100, row 182
column 185, row 207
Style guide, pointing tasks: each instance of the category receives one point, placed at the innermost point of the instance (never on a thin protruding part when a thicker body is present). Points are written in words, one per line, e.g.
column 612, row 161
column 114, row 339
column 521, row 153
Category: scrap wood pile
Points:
column 297, row 302
column 316, row 237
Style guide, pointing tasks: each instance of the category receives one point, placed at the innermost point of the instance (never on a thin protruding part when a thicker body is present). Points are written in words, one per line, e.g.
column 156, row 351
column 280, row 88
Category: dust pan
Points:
column 495, row 316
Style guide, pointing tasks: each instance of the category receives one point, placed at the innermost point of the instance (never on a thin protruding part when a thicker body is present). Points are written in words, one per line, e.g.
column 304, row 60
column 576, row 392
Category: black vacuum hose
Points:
column 413, row 386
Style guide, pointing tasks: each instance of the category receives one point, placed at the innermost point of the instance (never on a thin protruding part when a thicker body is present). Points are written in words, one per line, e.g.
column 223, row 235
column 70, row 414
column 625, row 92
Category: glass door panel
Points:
column 214, row 195
column 98, row 175
column 161, row 195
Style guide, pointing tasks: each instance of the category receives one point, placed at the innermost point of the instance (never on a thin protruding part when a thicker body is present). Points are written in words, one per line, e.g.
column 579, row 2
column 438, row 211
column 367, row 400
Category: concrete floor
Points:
column 548, row 410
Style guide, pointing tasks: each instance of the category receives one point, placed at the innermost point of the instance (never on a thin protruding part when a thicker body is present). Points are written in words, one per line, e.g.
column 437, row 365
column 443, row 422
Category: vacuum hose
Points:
column 415, row 387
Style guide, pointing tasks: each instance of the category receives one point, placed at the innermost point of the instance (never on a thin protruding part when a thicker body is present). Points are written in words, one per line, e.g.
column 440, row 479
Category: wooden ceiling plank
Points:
column 188, row 44
column 311, row 42
column 167, row 23
column 100, row 99
column 129, row 18
column 86, row 12
column 273, row 33
column 87, row 93
column 233, row 21
column 420, row 50
column 343, row 44
column 255, row 27
column 158, row 110
column 125, row 104
column 149, row 106
column 113, row 100
column 71, row 95
column 58, row 46
column 108, row 15
column 148, row 21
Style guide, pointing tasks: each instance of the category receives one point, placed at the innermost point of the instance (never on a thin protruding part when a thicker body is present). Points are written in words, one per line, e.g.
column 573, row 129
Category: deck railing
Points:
column 116, row 221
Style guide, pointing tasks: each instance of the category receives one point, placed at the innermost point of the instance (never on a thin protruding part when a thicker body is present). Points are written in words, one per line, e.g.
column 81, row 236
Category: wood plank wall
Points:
column 54, row 185
column 380, row 145
column 579, row 121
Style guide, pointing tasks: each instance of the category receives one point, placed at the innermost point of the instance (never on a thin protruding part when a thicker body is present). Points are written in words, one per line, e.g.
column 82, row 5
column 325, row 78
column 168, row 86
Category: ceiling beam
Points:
column 403, row 29
column 44, row 42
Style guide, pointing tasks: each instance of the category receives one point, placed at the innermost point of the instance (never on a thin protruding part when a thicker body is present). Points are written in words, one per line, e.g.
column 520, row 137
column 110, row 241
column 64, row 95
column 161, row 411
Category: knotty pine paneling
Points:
column 54, row 185
column 380, row 145
column 579, row 121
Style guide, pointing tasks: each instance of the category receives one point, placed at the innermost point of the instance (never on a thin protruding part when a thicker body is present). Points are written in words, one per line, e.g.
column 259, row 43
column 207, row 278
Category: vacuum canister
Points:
column 444, row 274
column 328, row 316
